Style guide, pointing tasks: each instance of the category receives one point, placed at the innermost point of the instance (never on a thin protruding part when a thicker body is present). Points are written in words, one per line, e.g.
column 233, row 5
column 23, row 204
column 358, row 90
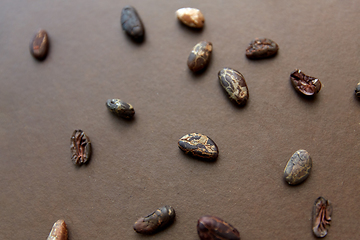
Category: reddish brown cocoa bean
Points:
column 214, row 228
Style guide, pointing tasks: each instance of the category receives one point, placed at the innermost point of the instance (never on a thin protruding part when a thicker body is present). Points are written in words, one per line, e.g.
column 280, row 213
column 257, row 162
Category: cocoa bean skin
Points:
column 321, row 217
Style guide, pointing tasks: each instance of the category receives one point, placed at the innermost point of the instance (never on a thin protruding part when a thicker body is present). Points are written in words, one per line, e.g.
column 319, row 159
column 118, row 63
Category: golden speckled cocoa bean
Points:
column 39, row 45
column 120, row 108
column 58, row 231
column 155, row 221
column 234, row 84
column 191, row 17
column 200, row 56
column 298, row 167
column 199, row 145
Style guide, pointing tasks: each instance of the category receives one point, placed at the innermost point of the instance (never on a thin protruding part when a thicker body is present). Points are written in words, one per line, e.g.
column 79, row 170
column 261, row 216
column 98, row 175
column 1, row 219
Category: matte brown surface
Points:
column 136, row 165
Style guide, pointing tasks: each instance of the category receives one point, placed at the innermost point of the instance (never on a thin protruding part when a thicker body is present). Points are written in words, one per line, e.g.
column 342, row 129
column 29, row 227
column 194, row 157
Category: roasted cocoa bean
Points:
column 120, row 108
column 155, row 221
column 305, row 84
column 214, row 228
column 132, row 24
column 58, row 231
column 261, row 48
column 321, row 217
column 200, row 56
column 191, row 17
column 298, row 167
column 357, row 90
column 234, row 84
column 199, row 145
column 80, row 147
column 39, row 45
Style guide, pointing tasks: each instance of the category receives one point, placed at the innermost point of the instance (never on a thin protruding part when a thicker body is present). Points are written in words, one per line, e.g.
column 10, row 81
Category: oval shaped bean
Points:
column 199, row 145
column 120, row 108
column 191, row 17
column 234, row 84
column 298, row 167
column 132, row 24
column 261, row 48
column 39, row 45
column 200, row 56
column 214, row 228
column 155, row 221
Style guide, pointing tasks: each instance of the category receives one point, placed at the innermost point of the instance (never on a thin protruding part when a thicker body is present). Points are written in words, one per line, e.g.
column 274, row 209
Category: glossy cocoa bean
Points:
column 200, row 56
column 39, row 45
column 199, row 145
column 305, row 84
column 234, row 84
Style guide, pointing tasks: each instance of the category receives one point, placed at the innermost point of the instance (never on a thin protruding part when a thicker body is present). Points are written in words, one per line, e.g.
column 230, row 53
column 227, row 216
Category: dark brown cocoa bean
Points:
column 199, row 145
column 155, row 221
column 120, row 108
column 234, row 84
column 261, row 48
column 58, row 231
column 39, row 45
column 214, row 228
column 305, row 84
column 357, row 90
column 298, row 167
column 200, row 56
column 80, row 147
column 321, row 217
column 132, row 24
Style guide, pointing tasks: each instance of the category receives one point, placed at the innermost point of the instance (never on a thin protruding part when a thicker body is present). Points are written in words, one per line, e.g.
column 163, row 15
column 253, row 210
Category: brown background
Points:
column 136, row 166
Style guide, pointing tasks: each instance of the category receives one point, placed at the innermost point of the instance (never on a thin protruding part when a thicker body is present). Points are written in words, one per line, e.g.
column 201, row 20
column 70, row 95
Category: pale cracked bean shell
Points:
column 191, row 17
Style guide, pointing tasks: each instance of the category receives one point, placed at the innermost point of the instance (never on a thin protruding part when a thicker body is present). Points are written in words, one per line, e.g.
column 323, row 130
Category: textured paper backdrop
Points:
column 136, row 165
